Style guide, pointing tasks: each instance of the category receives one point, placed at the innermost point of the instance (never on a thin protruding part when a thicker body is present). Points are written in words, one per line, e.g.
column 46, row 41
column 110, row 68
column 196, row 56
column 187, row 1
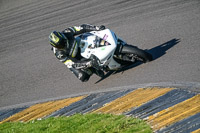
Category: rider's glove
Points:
column 102, row 27
column 88, row 27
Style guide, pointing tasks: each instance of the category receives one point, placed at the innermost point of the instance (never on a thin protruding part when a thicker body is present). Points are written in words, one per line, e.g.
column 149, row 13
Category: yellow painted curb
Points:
column 41, row 110
column 196, row 131
column 175, row 113
column 133, row 99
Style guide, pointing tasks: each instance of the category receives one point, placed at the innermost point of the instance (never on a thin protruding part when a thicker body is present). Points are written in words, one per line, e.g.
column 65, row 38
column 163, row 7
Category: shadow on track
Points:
column 160, row 50
column 156, row 52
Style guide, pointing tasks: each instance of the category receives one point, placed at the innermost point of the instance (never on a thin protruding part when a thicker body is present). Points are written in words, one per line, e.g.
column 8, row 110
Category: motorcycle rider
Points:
column 66, row 49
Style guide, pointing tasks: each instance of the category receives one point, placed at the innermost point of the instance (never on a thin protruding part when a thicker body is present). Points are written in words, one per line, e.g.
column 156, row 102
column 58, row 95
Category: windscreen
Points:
column 93, row 41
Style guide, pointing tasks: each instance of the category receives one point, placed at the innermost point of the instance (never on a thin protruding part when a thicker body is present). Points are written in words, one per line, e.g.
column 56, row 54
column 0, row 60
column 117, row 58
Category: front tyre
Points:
column 133, row 53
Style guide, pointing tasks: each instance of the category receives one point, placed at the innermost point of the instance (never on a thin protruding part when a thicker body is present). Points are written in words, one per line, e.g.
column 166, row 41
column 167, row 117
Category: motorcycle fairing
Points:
column 101, row 44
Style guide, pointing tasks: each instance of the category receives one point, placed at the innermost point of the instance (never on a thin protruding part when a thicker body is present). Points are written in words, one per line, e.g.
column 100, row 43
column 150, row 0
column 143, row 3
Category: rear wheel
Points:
column 132, row 54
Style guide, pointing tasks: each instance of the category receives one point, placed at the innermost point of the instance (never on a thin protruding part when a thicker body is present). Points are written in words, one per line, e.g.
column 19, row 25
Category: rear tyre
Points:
column 133, row 53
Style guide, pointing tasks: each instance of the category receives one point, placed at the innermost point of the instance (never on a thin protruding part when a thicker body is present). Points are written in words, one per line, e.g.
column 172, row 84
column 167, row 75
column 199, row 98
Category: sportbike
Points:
column 108, row 51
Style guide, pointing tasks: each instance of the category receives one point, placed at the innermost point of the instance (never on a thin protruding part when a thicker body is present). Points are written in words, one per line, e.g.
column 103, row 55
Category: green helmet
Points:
column 58, row 40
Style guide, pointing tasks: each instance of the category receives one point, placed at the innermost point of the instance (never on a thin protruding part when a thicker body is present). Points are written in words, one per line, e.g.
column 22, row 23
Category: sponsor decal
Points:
column 103, row 48
column 105, row 37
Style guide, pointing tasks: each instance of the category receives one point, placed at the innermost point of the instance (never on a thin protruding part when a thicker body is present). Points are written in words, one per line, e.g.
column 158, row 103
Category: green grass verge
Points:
column 88, row 123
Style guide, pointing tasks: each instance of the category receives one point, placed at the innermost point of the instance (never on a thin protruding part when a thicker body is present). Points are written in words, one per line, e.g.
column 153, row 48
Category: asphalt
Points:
column 169, row 30
column 30, row 74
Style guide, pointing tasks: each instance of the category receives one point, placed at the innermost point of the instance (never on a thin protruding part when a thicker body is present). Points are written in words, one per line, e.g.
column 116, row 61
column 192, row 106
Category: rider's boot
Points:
column 81, row 75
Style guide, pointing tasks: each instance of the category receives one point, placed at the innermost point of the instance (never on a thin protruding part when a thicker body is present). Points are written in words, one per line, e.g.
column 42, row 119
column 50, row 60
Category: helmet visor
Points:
column 54, row 38
column 57, row 39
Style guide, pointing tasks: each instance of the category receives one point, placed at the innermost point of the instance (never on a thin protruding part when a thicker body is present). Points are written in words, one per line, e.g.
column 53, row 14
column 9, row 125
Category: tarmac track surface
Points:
column 29, row 71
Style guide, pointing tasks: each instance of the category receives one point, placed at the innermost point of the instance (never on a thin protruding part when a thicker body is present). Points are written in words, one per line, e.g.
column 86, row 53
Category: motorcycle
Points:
column 108, row 51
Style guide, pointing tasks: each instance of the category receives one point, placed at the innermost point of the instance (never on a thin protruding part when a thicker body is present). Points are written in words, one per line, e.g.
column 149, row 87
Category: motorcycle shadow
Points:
column 156, row 52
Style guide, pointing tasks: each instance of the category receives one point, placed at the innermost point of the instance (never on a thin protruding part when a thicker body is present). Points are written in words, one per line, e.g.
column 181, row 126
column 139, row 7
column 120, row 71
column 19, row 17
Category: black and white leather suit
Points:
column 71, row 56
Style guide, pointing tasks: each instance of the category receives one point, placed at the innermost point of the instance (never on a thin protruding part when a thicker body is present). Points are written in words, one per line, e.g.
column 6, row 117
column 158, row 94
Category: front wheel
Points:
column 131, row 53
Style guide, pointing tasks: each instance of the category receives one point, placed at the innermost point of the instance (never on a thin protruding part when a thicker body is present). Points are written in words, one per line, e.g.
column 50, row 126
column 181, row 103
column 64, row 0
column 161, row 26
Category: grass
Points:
column 88, row 123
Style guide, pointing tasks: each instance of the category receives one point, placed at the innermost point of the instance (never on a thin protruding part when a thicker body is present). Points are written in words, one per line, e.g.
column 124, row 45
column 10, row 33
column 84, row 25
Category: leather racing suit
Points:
column 71, row 56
